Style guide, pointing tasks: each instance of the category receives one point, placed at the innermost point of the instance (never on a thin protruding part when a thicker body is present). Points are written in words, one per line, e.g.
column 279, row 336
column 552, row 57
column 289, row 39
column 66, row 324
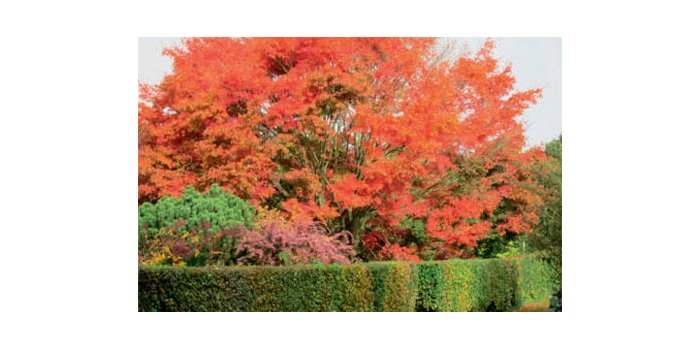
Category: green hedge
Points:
column 455, row 285
column 536, row 280
column 464, row 285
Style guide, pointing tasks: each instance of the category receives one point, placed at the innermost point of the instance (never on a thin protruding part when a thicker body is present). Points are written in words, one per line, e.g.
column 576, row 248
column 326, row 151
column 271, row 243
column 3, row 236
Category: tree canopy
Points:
column 417, row 156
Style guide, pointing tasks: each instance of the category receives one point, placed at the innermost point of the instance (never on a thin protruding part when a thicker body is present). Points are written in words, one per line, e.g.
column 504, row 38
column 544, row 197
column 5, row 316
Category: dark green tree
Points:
column 547, row 237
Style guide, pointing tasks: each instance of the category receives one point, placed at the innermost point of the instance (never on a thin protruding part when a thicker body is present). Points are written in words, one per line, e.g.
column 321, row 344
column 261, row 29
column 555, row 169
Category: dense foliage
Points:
column 417, row 156
column 214, row 211
column 198, row 247
column 286, row 244
column 454, row 285
column 269, row 243
column 546, row 237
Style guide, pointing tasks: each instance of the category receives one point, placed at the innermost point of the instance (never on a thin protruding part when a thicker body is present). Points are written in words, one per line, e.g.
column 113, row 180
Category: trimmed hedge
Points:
column 464, row 285
column 454, row 285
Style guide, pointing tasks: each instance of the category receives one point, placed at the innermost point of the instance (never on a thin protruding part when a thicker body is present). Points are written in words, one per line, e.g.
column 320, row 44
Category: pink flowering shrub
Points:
column 272, row 242
column 278, row 243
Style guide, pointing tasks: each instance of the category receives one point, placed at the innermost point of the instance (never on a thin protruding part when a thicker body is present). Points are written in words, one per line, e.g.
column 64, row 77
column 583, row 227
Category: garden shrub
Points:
column 194, row 248
column 214, row 210
column 482, row 284
column 272, row 243
column 454, row 285
column 537, row 279
column 280, row 243
column 256, row 288
column 394, row 285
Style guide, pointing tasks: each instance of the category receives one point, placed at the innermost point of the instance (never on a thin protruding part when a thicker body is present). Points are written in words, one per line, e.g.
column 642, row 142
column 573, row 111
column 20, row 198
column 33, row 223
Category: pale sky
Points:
column 536, row 63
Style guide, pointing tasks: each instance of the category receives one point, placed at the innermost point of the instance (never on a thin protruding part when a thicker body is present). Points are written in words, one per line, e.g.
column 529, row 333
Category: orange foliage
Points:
column 321, row 128
column 397, row 252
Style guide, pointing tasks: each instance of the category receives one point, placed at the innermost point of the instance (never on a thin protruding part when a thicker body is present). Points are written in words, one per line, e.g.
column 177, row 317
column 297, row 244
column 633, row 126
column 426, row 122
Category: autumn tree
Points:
column 378, row 136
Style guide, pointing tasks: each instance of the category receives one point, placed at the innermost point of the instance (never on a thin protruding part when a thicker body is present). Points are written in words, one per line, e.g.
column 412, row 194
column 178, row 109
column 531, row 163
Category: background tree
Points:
column 547, row 235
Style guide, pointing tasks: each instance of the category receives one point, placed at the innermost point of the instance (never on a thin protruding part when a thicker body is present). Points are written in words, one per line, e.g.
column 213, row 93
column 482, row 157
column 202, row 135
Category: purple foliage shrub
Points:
column 273, row 242
column 276, row 243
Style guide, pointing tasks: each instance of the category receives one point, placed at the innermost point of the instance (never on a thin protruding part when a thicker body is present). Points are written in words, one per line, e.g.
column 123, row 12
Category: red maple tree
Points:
column 359, row 133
